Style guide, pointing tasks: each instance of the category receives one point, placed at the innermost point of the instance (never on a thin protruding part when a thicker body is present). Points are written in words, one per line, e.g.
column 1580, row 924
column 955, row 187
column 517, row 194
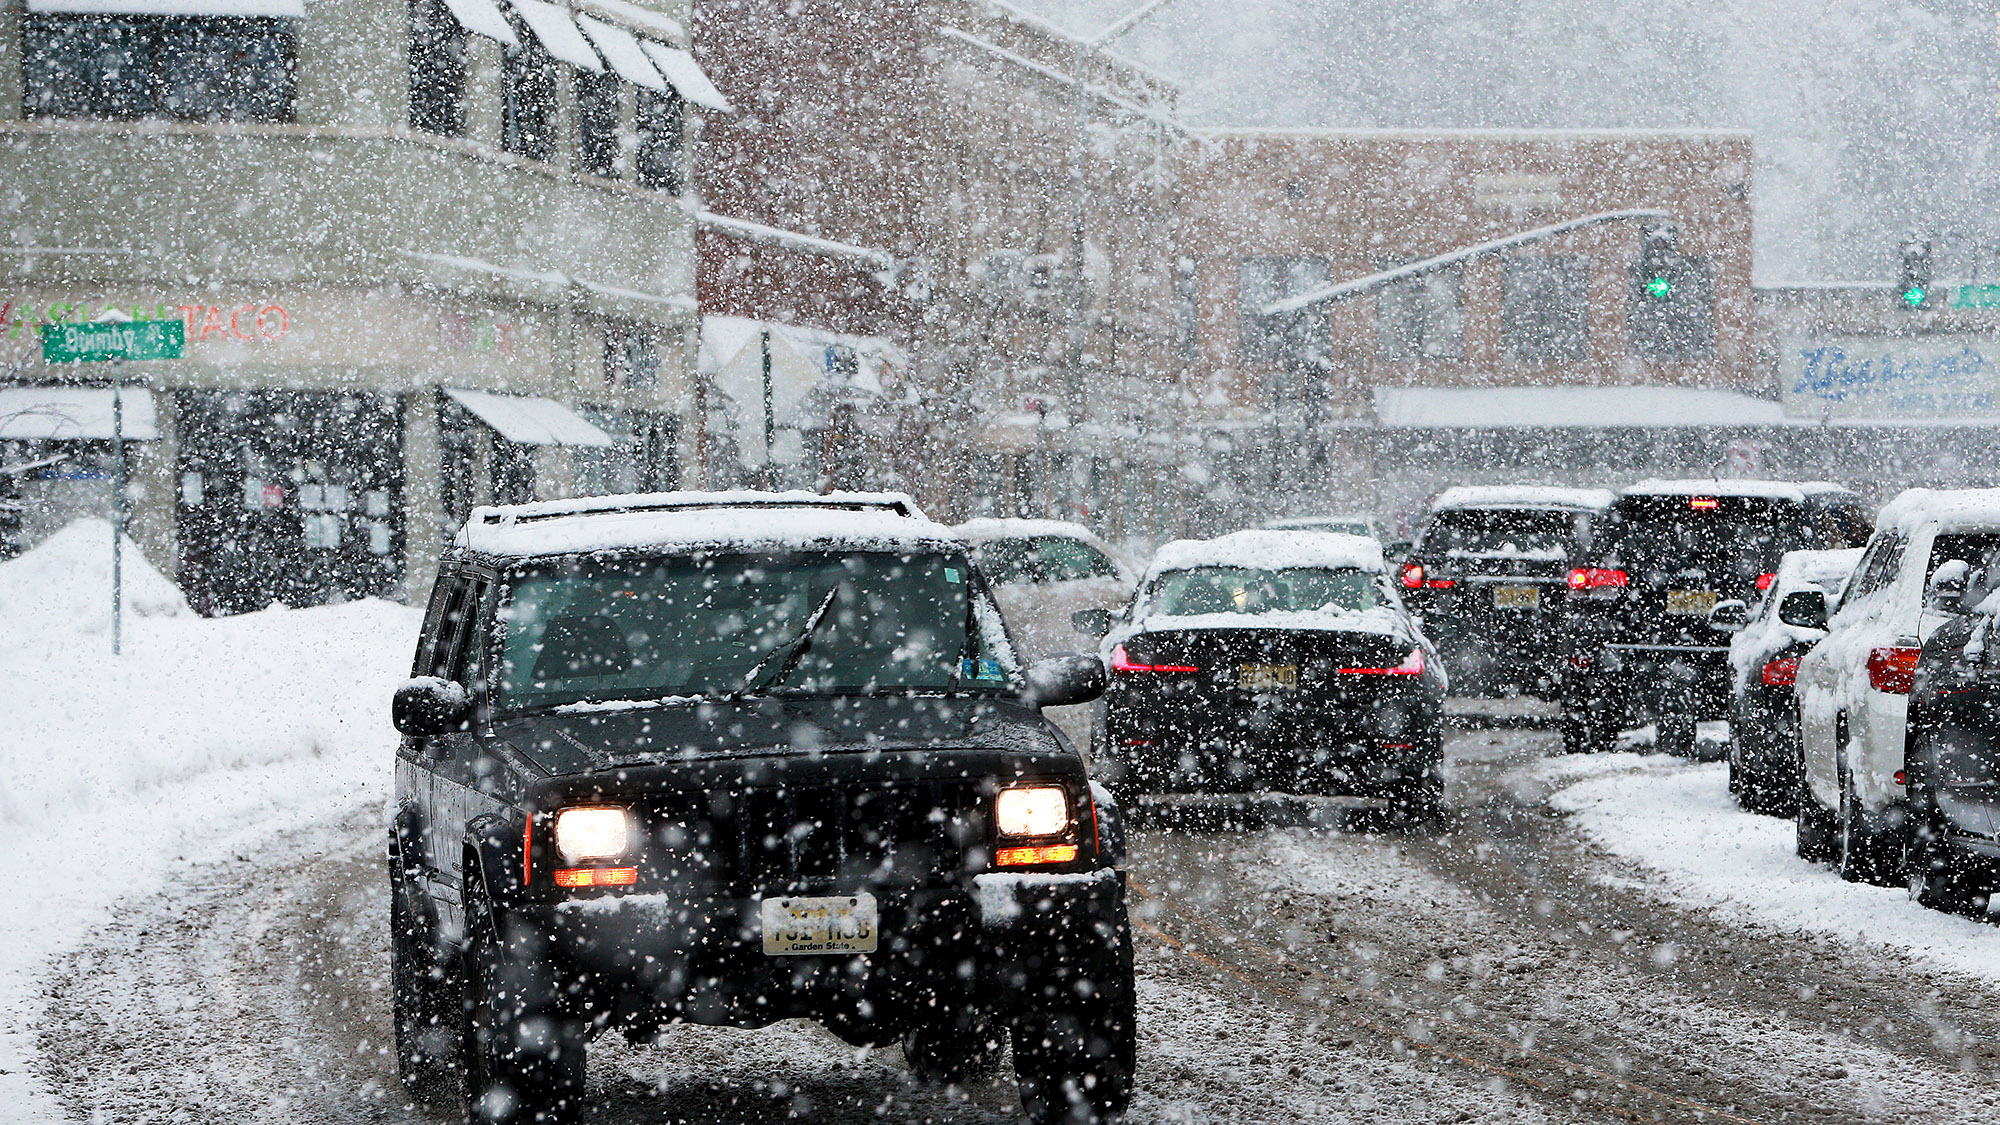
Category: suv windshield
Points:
column 604, row 631
column 1229, row 589
column 1744, row 535
column 1502, row 533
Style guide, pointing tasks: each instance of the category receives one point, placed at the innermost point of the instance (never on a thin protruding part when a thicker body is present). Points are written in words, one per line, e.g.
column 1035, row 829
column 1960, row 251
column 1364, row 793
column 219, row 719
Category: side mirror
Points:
column 1064, row 679
column 1805, row 609
column 1946, row 588
column 1729, row 616
column 1093, row 622
column 428, row 705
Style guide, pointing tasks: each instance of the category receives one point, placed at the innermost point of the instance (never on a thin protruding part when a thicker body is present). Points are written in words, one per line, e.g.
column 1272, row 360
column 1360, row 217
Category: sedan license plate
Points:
column 841, row 924
column 1517, row 597
column 1689, row 603
column 1267, row 677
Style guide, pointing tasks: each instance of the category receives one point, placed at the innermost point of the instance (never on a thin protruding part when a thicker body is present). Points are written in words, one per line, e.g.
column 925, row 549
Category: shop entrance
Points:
column 288, row 496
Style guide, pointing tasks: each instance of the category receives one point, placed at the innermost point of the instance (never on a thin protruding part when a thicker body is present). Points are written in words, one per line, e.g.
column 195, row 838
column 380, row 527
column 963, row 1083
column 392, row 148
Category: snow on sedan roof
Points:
column 1262, row 549
column 1943, row 507
column 1768, row 489
column 681, row 521
column 1521, row 496
column 988, row 528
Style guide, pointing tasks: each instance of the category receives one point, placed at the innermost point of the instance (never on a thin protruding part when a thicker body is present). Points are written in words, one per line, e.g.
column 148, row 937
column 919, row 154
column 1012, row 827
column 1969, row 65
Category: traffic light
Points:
column 1915, row 290
column 1672, row 309
column 1657, row 260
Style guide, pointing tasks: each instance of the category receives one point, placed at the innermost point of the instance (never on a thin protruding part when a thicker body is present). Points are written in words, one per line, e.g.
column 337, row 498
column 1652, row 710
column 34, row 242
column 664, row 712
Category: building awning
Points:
column 73, row 414
column 559, row 34
column 621, row 49
column 242, row 9
column 638, row 19
column 1480, row 408
column 482, row 17
column 686, row 76
column 526, row 420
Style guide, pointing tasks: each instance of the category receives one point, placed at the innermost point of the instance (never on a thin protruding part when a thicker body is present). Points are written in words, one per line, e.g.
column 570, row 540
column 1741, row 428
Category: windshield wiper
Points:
column 795, row 650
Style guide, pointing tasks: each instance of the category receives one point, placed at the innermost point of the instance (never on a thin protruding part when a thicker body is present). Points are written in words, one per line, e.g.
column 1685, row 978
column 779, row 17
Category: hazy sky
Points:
column 1871, row 119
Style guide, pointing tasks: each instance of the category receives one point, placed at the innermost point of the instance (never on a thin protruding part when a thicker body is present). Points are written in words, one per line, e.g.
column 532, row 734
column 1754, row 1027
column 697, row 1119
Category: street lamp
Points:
column 1079, row 309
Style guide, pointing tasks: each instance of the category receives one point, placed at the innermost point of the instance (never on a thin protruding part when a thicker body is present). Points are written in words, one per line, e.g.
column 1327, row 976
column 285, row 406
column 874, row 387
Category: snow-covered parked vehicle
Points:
column 1042, row 572
column 735, row 758
column 1764, row 659
column 1272, row 660
column 1952, row 765
column 1486, row 575
column 1636, row 619
column 1854, row 686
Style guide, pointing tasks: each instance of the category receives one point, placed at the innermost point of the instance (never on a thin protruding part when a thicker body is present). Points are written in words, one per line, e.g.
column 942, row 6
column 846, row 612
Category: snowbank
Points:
column 1260, row 549
column 204, row 739
column 1522, row 496
column 1676, row 819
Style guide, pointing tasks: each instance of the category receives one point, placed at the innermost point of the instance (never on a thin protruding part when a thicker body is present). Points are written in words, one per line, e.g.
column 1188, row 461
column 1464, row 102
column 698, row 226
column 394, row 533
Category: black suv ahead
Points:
column 1486, row 575
column 733, row 758
column 1636, row 621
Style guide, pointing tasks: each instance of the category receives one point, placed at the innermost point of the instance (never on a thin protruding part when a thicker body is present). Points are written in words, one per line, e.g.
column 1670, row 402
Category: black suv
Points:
column 1636, row 621
column 734, row 758
column 1487, row 576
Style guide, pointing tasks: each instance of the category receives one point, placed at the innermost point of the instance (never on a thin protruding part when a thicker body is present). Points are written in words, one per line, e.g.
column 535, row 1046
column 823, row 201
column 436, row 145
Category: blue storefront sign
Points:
column 1939, row 377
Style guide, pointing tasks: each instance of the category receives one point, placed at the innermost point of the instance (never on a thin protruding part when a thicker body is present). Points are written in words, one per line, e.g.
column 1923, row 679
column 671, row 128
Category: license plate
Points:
column 1690, row 602
column 1517, row 597
column 842, row 924
column 1267, row 677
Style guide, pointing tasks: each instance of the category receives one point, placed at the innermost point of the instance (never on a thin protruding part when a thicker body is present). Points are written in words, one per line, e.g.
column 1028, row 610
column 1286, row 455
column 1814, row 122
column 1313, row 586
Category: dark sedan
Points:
column 1952, row 768
column 1273, row 660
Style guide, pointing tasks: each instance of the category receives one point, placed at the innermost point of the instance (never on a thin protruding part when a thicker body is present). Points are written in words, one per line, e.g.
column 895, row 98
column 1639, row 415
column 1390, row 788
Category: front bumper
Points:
column 998, row 941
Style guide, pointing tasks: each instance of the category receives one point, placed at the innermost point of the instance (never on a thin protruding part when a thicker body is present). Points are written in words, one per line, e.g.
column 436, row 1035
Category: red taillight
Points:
column 1764, row 581
column 1595, row 577
column 1412, row 575
column 1894, row 669
column 1702, row 503
column 1782, row 672
column 1412, row 665
column 1440, row 583
column 1121, row 661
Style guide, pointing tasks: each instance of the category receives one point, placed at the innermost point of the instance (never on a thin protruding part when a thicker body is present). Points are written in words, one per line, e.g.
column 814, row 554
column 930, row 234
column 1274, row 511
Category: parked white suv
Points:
column 1854, row 686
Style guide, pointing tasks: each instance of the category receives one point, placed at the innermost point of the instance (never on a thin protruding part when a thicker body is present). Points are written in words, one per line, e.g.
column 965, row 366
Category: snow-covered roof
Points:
column 988, row 528
column 1262, row 549
column 637, row 18
column 482, row 17
column 621, row 49
column 1941, row 507
column 558, row 32
column 1768, row 489
column 1522, row 496
column 74, row 414
column 1826, row 570
column 1570, row 407
column 528, row 420
column 678, row 521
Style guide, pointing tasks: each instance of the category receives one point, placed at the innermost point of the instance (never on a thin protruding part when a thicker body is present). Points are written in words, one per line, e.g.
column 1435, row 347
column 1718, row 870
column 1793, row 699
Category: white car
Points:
column 1854, row 686
column 1348, row 523
column 1043, row 572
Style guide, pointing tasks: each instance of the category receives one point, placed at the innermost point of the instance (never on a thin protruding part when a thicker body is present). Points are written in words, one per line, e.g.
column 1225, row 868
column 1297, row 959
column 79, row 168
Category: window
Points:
column 1042, row 559
column 1235, row 589
column 437, row 69
column 1544, row 312
column 597, row 123
column 528, row 116
column 1288, row 337
column 1672, row 309
column 125, row 67
column 657, row 163
column 631, row 357
column 1877, row 568
column 1423, row 318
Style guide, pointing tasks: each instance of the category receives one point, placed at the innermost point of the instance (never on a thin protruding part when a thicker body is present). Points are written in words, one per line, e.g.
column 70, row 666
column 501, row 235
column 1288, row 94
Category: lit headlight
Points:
column 600, row 832
column 1032, row 811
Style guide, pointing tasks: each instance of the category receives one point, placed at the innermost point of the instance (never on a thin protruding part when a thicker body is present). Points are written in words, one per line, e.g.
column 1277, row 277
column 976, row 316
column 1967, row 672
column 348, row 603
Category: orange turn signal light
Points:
column 1048, row 853
column 598, row 876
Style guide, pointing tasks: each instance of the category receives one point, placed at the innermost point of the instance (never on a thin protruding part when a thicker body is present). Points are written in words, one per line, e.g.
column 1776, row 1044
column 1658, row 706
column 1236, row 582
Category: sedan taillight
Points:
column 1122, row 662
column 1596, row 578
column 1782, row 672
column 1893, row 669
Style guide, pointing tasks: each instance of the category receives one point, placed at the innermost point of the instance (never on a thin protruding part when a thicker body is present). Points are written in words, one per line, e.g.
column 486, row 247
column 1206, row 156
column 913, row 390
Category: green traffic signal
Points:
column 1659, row 288
column 1913, row 296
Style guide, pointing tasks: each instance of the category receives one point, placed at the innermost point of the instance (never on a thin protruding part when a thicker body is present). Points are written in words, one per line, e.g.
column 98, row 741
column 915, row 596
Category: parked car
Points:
column 1349, row 523
column 1272, row 660
column 1764, row 659
column 1486, row 575
column 1044, row 571
column 1635, row 622
column 734, row 758
column 1854, row 686
column 1952, row 768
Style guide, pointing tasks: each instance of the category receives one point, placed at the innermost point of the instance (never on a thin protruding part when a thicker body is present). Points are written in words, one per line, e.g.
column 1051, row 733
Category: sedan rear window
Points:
column 1228, row 589
column 1502, row 533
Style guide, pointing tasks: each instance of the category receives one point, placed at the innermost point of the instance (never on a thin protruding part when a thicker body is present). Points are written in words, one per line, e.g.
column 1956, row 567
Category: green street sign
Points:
column 100, row 340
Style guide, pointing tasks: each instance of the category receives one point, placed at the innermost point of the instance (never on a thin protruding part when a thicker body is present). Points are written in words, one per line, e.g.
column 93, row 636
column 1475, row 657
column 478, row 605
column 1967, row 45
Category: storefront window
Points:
column 631, row 357
column 658, row 160
column 437, row 69
column 597, row 123
column 124, row 67
column 528, row 117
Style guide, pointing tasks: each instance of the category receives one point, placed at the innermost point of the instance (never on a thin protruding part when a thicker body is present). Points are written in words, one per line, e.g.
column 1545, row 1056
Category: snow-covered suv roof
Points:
column 988, row 528
column 1521, row 496
column 1767, row 489
column 705, row 520
column 1262, row 549
column 1947, row 508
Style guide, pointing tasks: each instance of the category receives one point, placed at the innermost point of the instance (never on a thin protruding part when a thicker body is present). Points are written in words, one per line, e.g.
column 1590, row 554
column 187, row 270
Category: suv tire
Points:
column 1817, row 836
column 524, row 1061
column 959, row 1044
column 1074, row 1063
column 1583, row 732
column 1864, row 854
column 425, row 1018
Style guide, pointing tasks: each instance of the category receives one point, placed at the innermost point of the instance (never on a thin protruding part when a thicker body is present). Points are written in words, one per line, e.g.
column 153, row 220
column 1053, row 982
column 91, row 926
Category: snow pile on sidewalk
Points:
column 207, row 737
column 1677, row 819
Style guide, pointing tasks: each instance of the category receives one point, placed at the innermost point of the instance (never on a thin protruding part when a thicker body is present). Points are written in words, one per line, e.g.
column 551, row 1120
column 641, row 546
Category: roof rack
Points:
column 896, row 502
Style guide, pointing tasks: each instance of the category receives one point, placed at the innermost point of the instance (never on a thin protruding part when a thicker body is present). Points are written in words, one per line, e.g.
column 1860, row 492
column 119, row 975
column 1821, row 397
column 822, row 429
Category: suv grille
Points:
column 815, row 838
